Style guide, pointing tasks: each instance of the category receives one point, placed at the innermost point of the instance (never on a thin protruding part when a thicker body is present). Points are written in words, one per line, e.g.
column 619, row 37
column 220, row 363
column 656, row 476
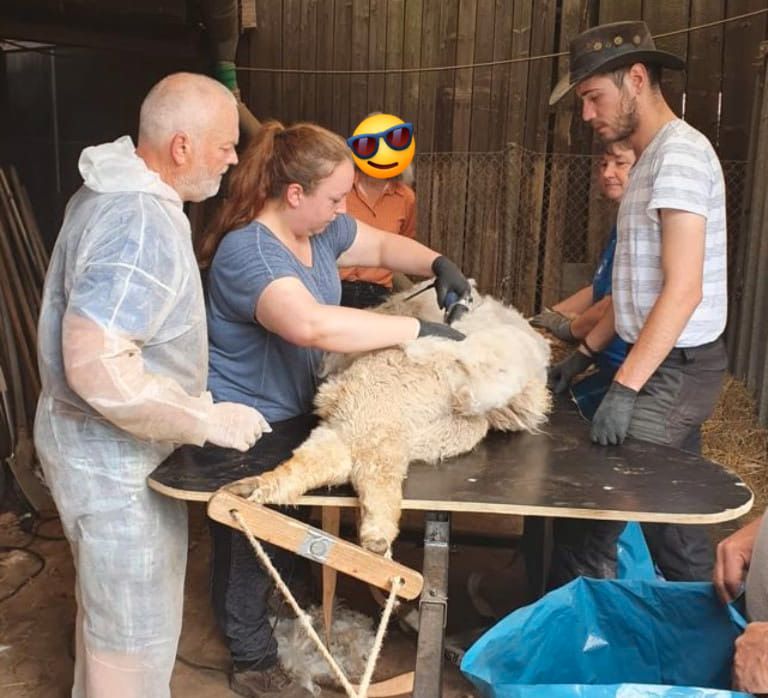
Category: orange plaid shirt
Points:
column 394, row 211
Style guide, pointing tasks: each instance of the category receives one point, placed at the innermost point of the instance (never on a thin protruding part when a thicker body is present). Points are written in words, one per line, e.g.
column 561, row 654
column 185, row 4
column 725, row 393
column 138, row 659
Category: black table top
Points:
column 556, row 473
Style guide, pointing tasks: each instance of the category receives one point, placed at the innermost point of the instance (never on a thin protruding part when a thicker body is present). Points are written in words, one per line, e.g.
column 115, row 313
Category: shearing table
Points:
column 557, row 473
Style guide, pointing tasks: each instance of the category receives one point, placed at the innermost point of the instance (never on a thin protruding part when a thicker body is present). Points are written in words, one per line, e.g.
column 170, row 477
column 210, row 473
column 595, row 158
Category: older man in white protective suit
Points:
column 123, row 360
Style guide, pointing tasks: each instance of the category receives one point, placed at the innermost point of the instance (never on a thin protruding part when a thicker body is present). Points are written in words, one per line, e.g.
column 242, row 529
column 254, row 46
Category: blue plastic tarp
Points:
column 610, row 638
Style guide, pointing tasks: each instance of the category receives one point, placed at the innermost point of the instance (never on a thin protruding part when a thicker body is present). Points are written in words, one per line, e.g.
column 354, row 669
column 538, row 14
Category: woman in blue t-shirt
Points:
column 586, row 317
column 272, row 254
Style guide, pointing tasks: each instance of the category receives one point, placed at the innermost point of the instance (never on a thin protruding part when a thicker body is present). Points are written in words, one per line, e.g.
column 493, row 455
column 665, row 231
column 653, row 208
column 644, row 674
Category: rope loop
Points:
column 396, row 583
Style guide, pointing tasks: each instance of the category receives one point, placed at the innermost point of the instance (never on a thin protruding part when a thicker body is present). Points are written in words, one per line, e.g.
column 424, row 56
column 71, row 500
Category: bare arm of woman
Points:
column 576, row 303
column 377, row 248
column 289, row 310
column 584, row 323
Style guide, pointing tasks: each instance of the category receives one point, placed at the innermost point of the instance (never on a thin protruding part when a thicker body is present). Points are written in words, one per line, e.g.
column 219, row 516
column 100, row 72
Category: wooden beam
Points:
column 314, row 544
column 159, row 41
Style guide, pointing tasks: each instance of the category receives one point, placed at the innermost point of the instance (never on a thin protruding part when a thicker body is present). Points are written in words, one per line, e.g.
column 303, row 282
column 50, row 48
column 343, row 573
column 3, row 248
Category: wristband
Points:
column 590, row 353
column 226, row 74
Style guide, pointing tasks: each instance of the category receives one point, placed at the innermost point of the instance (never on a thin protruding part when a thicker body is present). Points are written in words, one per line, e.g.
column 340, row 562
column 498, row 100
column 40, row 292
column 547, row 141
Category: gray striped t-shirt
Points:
column 678, row 170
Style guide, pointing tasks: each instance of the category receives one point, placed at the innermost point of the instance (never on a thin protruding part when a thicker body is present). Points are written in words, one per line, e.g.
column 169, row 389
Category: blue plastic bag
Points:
column 633, row 559
column 610, row 638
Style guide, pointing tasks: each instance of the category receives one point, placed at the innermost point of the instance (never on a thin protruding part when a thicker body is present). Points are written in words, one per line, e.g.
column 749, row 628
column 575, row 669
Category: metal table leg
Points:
column 433, row 611
column 537, row 550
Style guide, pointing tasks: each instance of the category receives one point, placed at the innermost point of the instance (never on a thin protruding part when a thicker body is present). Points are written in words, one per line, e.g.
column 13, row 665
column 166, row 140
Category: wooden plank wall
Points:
column 501, row 216
column 482, row 109
column 748, row 336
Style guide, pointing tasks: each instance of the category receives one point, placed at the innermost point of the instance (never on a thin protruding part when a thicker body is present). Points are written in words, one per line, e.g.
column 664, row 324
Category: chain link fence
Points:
column 528, row 227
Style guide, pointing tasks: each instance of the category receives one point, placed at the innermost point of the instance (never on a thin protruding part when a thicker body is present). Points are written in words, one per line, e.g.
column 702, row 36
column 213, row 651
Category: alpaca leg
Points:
column 378, row 481
column 323, row 459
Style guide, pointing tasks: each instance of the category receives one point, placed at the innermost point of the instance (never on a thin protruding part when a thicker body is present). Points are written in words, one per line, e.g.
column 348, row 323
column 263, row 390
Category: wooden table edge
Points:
column 484, row 508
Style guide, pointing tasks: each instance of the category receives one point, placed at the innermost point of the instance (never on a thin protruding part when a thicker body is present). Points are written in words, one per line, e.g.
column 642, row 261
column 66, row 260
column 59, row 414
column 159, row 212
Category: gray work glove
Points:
column 612, row 418
column 449, row 279
column 560, row 375
column 556, row 323
column 437, row 329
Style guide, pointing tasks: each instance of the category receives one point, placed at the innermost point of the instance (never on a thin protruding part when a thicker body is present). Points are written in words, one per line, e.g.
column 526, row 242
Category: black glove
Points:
column 556, row 323
column 437, row 329
column 560, row 375
column 449, row 279
column 611, row 421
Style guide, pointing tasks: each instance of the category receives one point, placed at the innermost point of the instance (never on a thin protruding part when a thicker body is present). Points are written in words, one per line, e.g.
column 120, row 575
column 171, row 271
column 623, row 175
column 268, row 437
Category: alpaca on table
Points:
column 426, row 399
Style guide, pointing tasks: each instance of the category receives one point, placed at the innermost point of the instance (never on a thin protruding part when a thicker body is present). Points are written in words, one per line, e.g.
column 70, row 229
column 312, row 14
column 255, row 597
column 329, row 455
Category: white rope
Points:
column 306, row 623
column 362, row 689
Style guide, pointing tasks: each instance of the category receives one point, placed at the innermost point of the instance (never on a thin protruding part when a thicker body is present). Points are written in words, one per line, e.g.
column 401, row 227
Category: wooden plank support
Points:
column 292, row 50
column 393, row 57
column 314, row 544
column 377, row 56
column 331, row 517
column 396, row 686
column 324, row 61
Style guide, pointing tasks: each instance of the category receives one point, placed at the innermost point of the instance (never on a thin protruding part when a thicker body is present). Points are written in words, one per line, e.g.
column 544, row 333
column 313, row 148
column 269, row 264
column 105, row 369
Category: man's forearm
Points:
column 601, row 335
column 108, row 372
column 659, row 335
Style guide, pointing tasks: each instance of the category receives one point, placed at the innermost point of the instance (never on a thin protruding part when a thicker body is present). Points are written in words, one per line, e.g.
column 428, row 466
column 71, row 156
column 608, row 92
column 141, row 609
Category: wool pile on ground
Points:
column 352, row 636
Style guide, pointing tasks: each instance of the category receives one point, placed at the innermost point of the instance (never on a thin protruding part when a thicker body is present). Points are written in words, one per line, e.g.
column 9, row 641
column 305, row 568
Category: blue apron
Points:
column 589, row 391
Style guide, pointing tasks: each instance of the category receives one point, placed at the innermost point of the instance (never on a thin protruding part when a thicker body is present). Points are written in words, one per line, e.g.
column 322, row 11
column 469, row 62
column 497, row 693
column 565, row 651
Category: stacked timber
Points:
column 23, row 262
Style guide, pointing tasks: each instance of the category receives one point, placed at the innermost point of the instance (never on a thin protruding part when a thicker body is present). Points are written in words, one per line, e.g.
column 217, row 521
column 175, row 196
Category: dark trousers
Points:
column 362, row 294
column 240, row 589
column 670, row 410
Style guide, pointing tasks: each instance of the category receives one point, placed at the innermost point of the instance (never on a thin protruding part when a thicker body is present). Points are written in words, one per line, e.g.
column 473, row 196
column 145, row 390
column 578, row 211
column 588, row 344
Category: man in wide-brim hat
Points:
column 669, row 278
column 602, row 49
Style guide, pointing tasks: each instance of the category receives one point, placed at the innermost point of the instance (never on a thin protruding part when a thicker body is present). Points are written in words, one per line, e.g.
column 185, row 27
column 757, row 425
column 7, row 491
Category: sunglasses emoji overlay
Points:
column 382, row 145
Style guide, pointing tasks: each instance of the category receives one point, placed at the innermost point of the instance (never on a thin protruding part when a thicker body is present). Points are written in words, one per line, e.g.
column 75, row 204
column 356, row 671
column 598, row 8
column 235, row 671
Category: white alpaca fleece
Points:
column 352, row 638
column 426, row 399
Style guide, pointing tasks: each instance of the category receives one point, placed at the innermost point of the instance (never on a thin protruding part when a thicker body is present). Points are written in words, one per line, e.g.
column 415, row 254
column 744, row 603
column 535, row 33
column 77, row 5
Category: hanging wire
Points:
column 484, row 64
column 49, row 49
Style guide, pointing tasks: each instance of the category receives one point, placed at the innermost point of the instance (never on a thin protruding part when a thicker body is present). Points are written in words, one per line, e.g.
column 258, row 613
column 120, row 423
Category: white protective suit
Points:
column 124, row 292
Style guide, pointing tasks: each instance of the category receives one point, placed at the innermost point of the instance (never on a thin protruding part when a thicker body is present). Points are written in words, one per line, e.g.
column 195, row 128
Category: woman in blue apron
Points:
column 580, row 545
column 574, row 318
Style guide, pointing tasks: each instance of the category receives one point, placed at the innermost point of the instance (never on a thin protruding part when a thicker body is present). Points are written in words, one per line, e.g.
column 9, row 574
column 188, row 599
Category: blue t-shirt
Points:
column 248, row 363
column 615, row 353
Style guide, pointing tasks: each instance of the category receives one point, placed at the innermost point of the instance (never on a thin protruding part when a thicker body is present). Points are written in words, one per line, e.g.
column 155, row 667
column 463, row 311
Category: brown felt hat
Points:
column 610, row 46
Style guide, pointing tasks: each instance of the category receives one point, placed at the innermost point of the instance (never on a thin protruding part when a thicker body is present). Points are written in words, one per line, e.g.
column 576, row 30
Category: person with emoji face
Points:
column 380, row 198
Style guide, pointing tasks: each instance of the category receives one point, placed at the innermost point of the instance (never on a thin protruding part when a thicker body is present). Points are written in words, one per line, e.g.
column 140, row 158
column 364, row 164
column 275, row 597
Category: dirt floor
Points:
column 37, row 622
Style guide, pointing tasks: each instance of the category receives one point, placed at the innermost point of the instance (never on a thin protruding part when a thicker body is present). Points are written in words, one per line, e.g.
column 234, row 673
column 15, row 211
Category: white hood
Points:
column 114, row 167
